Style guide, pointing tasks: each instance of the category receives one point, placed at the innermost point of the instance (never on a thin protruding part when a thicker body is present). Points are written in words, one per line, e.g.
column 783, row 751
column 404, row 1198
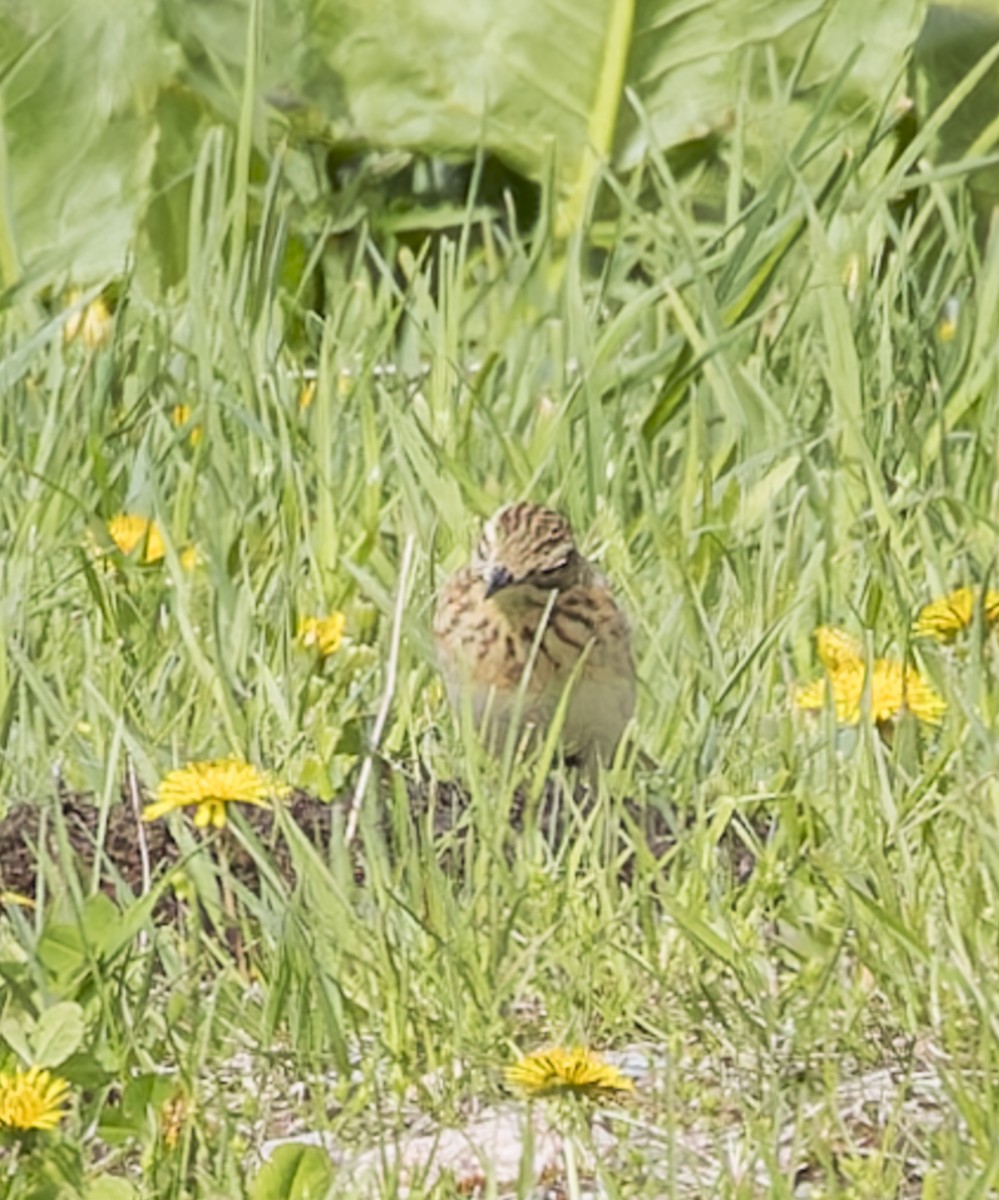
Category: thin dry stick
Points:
column 132, row 782
column 390, row 682
column 134, row 795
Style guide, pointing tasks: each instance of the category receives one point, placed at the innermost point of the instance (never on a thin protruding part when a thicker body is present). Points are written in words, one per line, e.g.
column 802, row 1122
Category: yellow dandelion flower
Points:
column 322, row 634
column 32, row 1099
column 92, row 324
column 306, row 395
column 894, row 687
column 180, row 414
column 836, row 648
column 129, row 531
column 190, row 558
column 944, row 619
column 209, row 787
column 574, row 1071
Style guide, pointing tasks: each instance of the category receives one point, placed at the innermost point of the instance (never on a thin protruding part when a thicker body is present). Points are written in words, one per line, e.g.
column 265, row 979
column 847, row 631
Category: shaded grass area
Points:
column 754, row 421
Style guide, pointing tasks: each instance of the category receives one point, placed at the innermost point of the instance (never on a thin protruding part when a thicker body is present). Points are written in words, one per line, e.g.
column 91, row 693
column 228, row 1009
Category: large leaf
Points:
column 533, row 78
column 57, row 1034
column 101, row 103
column 953, row 39
column 541, row 82
column 77, row 86
column 691, row 83
column 294, row 1172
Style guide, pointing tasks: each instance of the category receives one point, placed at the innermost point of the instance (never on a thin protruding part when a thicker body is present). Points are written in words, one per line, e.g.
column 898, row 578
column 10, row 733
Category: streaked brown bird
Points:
column 530, row 605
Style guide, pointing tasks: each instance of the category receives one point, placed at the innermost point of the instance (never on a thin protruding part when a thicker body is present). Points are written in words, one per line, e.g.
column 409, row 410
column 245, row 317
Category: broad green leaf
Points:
column 67, row 951
column 528, row 79
column 294, row 1173
column 61, row 952
column 57, row 1035
column 16, row 1030
column 103, row 106
column 77, row 87
column 129, row 1118
column 685, row 64
column 524, row 76
column 952, row 41
column 110, row 1187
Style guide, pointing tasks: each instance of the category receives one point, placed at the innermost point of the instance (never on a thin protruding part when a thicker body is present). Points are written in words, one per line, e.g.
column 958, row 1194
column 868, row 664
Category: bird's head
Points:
column 527, row 544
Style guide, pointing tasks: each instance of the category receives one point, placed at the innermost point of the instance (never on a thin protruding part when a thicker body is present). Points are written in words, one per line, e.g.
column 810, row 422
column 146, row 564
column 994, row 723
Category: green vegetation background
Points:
column 723, row 358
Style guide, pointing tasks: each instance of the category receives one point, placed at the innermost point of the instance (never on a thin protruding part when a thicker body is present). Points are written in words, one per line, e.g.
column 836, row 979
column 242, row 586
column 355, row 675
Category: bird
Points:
column 527, row 619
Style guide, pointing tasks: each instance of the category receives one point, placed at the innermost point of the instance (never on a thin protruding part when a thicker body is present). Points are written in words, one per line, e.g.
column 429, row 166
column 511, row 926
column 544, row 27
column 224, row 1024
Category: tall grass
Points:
column 751, row 416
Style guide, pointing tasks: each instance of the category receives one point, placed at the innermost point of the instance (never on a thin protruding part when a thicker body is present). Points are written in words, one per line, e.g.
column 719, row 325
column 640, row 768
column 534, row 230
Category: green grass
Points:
column 752, row 420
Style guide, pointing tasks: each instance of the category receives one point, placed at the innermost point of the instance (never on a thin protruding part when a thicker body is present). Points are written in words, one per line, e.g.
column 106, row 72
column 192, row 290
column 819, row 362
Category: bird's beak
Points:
column 497, row 579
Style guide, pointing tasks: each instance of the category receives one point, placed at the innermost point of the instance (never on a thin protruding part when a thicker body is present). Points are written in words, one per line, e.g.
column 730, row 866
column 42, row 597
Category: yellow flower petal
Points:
column 180, row 414
column 894, row 687
column 945, row 618
column 578, row 1071
column 129, row 531
column 32, row 1099
column 209, row 786
column 153, row 812
column 323, row 634
column 837, row 648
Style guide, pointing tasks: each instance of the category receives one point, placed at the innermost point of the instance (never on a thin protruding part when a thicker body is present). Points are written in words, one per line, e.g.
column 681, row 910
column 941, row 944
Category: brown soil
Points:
column 30, row 832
